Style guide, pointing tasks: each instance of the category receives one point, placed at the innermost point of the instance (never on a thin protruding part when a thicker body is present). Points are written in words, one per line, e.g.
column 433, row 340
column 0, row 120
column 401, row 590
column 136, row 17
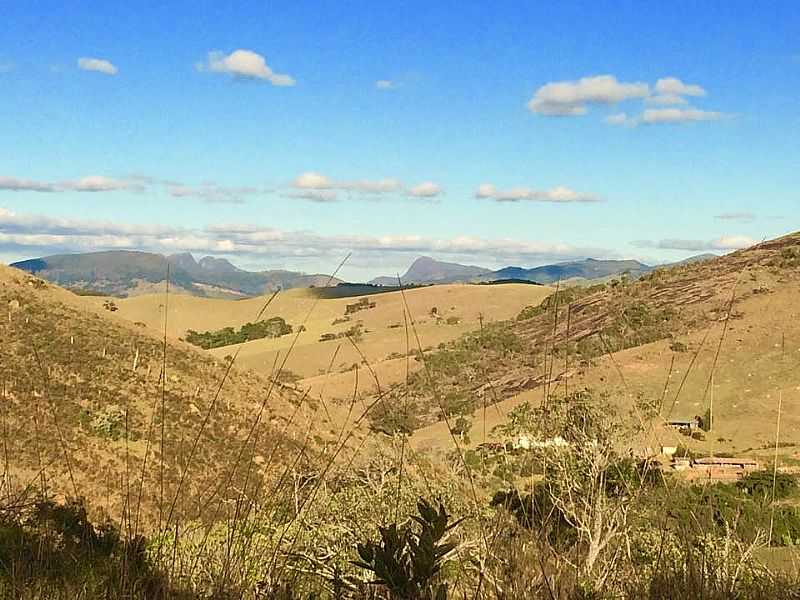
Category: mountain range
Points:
column 125, row 273
column 428, row 270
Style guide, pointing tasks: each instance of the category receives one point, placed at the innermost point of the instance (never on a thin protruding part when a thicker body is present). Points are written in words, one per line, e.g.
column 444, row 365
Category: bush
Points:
column 55, row 550
column 393, row 418
column 270, row 328
column 109, row 422
column 759, row 485
column 407, row 561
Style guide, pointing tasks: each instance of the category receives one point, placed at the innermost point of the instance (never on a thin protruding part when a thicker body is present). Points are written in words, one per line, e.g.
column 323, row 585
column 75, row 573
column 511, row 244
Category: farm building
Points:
column 685, row 425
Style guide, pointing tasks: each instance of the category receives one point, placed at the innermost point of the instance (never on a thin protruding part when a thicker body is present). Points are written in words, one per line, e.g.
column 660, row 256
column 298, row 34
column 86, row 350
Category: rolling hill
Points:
column 127, row 273
column 440, row 314
column 94, row 406
column 677, row 340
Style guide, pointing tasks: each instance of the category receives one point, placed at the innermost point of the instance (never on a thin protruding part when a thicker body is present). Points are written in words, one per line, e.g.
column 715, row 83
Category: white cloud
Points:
column 91, row 183
column 312, row 180
column 207, row 191
column 666, row 99
column 736, row 216
column 97, row 64
column 315, row 195
column 28, row 235
column 426, row 189
column 672, row 86
column 381, row 186
column 658, row 116
column 677, row 115
column 723, row 243
column 385, row 84
column 559, row 195
column 214, row 193
column 245, row 64
column 99, row 183
column 569, row 98
column 572, row 98
column 14, row 184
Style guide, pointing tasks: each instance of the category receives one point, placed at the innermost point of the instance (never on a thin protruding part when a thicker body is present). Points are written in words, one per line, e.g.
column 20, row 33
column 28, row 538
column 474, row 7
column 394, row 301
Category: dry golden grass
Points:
column 384, row 325
column 83, row 401
column 755, row 358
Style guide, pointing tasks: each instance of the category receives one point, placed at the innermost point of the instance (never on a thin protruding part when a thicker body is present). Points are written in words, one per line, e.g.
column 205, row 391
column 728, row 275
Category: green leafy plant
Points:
column 407, row 561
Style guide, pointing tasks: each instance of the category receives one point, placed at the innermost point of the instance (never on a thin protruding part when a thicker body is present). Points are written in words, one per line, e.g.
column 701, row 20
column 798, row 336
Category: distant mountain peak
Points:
column 426, row 269
column 184, row 260
column 121, row 272
column 218, row 265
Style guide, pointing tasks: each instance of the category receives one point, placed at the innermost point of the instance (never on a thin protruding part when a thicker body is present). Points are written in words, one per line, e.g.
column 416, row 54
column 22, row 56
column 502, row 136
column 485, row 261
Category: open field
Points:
column 459, row 308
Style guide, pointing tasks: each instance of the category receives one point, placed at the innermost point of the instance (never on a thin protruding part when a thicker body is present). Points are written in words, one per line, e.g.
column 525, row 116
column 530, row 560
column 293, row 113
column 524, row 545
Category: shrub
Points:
column 270, row 328
column 407, row 561
column 759, row 485
column 109, row 422
column 677, row 346
column 393, row 418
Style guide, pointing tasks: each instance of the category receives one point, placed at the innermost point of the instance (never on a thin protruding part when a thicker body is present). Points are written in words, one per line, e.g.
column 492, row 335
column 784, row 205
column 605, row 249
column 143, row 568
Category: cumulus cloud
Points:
column 14, row 184
column 672, row 86
column 736, row 216
column 724, row 243
column 573, row 98
column 311, row 181
column 385, row 84
column 99, row 183
column 214, row 193
column 315, row 195
column 207, row 191
column 426, row 189
column 658, row 116
column 97, row 64
column 570, row 98
column 677, row 115
column 666, row 99
column 559, row 194
column 91, row 183
column 27, row 234
column 245, row 64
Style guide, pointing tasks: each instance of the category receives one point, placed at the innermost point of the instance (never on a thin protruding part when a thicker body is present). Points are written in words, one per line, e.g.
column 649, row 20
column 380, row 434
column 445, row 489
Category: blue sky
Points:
column 500, row 133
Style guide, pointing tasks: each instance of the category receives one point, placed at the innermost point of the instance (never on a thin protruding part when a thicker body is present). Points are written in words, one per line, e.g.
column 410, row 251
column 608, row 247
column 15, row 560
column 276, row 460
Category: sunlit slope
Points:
column 458, row 308
column 84, row 399
column 659, row 340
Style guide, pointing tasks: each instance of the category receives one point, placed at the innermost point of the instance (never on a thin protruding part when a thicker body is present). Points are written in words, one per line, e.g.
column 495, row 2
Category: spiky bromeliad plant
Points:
column 407, row 560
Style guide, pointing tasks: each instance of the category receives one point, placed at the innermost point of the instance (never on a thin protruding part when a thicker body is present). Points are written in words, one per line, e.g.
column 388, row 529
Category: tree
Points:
column 583, row 480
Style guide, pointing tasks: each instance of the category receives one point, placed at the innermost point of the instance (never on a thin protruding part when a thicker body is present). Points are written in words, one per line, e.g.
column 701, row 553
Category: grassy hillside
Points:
column 658, row 338
column 314, row 505
column 90, row 403
column 381, row 327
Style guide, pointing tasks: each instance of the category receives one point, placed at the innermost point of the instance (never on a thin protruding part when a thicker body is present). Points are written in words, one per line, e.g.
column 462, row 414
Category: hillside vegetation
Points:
column 660, row 337
column 95, row 407
column 337, row 499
